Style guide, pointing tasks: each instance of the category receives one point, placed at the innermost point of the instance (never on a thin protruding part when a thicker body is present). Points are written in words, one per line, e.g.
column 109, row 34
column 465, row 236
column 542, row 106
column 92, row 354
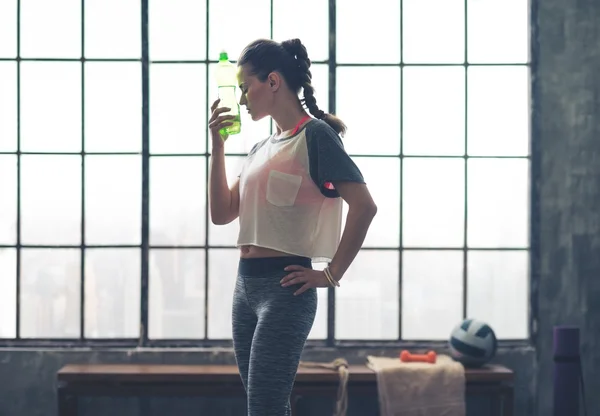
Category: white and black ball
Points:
column 473, row 343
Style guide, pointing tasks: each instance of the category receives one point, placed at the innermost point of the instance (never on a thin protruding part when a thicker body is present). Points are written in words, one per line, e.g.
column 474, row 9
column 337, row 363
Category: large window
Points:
column 104, row 229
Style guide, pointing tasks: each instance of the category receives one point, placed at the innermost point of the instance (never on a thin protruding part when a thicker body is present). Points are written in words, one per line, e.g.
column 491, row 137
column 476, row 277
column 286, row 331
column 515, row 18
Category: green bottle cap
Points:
column 223, row 56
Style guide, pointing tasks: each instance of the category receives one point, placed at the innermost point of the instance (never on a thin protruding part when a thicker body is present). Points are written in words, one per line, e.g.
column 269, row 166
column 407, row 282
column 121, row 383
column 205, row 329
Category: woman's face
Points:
column 256, row 96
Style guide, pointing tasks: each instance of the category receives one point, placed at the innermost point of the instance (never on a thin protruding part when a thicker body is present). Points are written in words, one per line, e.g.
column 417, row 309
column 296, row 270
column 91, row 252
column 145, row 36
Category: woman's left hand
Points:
column 310, row 277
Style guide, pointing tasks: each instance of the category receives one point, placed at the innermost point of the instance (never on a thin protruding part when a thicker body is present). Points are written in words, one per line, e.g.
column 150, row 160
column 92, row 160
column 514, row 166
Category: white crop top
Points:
column 287, row 200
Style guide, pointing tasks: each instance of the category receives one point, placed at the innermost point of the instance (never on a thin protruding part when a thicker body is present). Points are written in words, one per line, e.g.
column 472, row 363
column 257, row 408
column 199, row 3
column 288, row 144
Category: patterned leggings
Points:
column 270, row 328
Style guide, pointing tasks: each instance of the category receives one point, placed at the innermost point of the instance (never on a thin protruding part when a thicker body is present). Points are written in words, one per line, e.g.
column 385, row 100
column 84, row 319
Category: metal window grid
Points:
column 330, row 341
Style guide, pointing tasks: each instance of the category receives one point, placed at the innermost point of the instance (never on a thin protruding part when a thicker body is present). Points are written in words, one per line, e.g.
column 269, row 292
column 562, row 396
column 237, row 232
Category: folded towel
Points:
column 419, row 389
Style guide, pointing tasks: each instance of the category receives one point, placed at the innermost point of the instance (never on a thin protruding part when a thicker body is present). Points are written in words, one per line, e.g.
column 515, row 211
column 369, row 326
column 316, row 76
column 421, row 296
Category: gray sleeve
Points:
column 328, row 160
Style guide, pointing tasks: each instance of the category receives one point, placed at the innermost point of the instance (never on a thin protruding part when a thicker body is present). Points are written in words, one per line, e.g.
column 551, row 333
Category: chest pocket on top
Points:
column 282, row 188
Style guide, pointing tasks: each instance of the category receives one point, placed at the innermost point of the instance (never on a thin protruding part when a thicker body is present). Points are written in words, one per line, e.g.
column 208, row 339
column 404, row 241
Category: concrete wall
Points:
column 566, row 90
column 29, row 389
column 567, row 86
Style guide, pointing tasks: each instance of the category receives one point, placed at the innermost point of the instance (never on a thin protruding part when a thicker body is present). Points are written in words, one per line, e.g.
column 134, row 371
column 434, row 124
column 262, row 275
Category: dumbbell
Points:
column 407, row 357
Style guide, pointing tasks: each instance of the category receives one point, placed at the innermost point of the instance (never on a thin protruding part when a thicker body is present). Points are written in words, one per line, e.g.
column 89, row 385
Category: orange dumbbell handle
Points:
column 430, row 357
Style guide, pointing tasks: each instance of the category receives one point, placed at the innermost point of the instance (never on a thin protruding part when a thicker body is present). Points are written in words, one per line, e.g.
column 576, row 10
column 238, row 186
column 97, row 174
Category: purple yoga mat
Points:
column 566, row 371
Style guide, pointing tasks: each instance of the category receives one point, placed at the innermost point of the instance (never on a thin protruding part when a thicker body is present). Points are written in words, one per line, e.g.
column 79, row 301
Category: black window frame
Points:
column 332, row 64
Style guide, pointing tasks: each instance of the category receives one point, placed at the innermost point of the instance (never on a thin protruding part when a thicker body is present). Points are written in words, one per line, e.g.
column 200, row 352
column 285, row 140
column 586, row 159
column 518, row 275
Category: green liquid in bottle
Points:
column 226, row 81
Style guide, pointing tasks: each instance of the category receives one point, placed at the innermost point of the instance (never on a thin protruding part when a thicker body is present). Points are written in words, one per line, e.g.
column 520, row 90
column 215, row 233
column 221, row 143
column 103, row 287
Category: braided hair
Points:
column 291, row 60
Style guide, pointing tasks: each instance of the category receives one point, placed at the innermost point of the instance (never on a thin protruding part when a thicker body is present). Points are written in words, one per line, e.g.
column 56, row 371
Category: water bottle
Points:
column 226, row 82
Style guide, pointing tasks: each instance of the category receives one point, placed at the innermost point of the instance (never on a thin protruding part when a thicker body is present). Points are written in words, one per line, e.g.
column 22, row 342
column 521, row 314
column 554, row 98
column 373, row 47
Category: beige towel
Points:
column 419, row 389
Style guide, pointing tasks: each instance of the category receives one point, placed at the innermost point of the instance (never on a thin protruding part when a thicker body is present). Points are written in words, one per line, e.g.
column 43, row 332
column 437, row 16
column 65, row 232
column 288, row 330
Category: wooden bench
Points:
column 77, row 380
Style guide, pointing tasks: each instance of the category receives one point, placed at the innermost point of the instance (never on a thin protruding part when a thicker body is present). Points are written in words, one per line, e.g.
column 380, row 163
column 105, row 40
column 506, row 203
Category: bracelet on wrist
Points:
column 329, row 276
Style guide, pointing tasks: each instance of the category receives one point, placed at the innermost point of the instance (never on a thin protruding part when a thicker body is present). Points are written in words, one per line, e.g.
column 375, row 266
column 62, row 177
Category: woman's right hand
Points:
column 217, row 122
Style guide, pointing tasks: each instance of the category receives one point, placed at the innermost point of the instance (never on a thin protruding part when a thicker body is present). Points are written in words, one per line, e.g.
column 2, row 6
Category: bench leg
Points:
column 496, row 404
column 67, row 403
column 294, row 404
column 508, row 401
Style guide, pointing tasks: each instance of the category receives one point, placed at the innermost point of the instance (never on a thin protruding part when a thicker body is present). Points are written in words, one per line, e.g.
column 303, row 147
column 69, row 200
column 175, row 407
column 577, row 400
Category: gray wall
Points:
column 566, row 90
column 568, row 93
column 28, row 384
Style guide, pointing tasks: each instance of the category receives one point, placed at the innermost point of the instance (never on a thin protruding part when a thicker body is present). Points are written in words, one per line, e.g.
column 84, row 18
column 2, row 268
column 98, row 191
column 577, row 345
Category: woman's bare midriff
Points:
column 250, row 252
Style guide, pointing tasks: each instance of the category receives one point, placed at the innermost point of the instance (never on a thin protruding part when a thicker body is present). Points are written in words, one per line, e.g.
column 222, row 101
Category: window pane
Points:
column 8, row 293
column 113, row 200
column 8, row 200
column 499, row 111
column 382, row 176
column 227, row 235
column 51, row 199
column 176, row 294
column 319, row 328
column 228, row 17
column 352, row 102
column 112, row 293
column 113, row 29
column 8, row 28
column 188, row 41
column 434, row 111
column 177, row 106
column 432, row 294
column 252, row 131
column 50, row 293
column 320, row 82
column 222, row 274
column 8, row 106
column 51, row 29
column 103, row 82
column 364, row 23
column 489, row 39
column 495, row 281
column 434, row 31
column 51, row 106
column 177, row 200
column 434, row 207
column 367, row 308
column 498, row 198
column 288, row 25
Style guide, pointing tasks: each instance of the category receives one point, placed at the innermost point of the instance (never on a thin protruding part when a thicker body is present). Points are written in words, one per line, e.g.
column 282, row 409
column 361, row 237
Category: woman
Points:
column 288, row 198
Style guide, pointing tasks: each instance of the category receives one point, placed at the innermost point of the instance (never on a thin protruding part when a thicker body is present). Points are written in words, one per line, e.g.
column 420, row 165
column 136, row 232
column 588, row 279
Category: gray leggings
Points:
column 270, row 327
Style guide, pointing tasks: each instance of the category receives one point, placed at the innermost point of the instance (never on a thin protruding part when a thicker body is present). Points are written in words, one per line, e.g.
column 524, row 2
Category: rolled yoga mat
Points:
column 567, row 371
